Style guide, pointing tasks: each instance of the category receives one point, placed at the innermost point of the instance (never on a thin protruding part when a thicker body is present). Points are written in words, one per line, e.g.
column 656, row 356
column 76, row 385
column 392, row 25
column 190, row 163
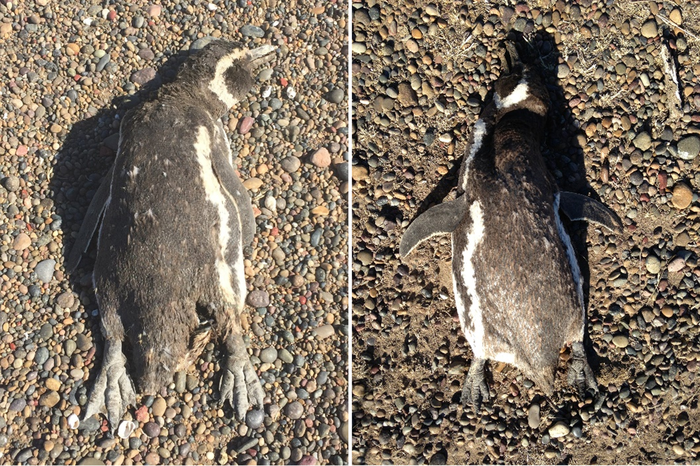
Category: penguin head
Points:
column 221, row 73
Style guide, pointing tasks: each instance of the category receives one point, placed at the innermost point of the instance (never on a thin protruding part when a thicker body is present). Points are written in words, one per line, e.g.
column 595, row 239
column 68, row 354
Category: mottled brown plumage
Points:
column 169, row 269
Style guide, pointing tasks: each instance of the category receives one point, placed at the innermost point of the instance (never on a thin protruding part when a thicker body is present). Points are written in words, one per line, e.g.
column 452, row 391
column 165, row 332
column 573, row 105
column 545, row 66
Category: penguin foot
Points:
column 239, row 382
column 580, row 373
column 113, row 391
column 475, row 389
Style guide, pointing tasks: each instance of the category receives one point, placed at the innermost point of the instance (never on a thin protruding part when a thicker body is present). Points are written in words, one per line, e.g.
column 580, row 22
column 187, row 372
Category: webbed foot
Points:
column 475, row 389
column 580, row 373
column 113, row 391
column 239, row 382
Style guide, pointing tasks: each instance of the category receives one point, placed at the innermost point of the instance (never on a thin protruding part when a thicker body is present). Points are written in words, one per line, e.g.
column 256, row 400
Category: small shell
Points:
column 271, row 203
column 126, row 428
column 267, row 92
column 73, row 421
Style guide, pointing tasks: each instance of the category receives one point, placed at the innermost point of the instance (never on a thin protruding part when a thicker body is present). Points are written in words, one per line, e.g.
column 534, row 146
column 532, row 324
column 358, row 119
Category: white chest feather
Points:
column 215, row 195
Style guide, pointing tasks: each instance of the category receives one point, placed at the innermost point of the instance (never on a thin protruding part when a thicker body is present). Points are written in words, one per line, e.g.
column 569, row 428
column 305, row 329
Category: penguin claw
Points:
column 240, row 384
column 113, row 391
column 580, row 373
column 475, row 389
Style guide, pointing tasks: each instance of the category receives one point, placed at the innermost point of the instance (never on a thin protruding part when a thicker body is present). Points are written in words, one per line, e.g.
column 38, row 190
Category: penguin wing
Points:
column 234, row 187
column 580, row 207
column 90, row 222
column 441, row 219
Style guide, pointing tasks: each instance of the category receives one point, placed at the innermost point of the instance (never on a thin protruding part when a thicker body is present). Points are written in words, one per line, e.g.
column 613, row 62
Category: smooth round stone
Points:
column 254, row 418
column 689, row 147
column 11, row 183
column 180, row 380
column 17, row 405
column 294, row 410
column 642, row 141
column 268, row 355
column 649, row 29
column 44, row 270
column 636, row 178
column 560, row 429
column 258, row 298
column 42, row 354
column 682, row 196
column 21, row 242
column 335, row 96
column 653, row 264
column 291, row 164
column 158, row 407
column 533, row 416
column 621, row 341
column 151, row 429
column 252, row 31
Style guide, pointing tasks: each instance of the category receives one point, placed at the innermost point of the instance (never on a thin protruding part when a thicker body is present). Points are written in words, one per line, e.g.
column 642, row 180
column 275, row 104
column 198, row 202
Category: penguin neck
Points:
column 199, row 96
column 517, row 139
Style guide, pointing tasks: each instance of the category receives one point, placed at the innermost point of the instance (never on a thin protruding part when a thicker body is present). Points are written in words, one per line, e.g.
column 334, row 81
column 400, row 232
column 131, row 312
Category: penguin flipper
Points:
column 234, row 187
column 441, row 219
column 580, row 207
column 90, row 223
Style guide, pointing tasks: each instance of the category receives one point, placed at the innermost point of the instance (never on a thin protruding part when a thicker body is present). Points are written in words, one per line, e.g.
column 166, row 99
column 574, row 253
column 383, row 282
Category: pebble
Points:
column 533, row 416
column 158, row 406
column 621, row 341
column 653, row 264
column 252, row 31
column 254, row 418
column 151, row 429
column 324, row 331
column 245, row 125
column 142, row 77
column 294, row 410
column 11, row 183
column 21, row 242
column 45, row 269
column 682, row 196
column 642, row 141
column 268, row 355
column 321, row 158
column 676, row 265
column 335, row 96
column 258, row 298
column 49, row 399
column 290, row 164
column 649, row 29
column 559, row 429
column 689, row 147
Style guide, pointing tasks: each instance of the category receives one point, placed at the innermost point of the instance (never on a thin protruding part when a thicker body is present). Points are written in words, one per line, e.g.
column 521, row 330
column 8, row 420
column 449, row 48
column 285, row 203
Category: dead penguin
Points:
column 517, row 284
column 175, row 217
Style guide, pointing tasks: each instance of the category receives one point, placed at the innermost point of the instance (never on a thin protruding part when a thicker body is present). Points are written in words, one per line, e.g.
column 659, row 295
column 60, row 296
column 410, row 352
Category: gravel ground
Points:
column 618, row 132
column 70, row 70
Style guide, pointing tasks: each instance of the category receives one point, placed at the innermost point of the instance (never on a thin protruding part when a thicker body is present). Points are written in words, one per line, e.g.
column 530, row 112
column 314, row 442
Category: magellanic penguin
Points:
column 174, row 220
column 517, row 283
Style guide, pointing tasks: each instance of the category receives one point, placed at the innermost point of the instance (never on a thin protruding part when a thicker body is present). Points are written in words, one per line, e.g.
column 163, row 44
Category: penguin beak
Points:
column 261, row 55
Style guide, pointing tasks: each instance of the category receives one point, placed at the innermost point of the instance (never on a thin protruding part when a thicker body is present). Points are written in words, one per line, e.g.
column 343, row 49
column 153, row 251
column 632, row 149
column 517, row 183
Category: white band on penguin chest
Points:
column 475, row 334
column 216, row 197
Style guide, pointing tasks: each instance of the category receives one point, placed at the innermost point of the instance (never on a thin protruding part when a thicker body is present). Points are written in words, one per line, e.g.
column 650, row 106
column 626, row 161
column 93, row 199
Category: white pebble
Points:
column 211, row 7
column 87, row 21
column 73, row 421
column 291, row 93
column 271, row 203
column 267, row 92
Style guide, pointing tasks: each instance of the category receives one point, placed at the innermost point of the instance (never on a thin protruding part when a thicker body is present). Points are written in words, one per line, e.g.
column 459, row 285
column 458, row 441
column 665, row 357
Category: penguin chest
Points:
column 214, row 155
column 514, row 286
